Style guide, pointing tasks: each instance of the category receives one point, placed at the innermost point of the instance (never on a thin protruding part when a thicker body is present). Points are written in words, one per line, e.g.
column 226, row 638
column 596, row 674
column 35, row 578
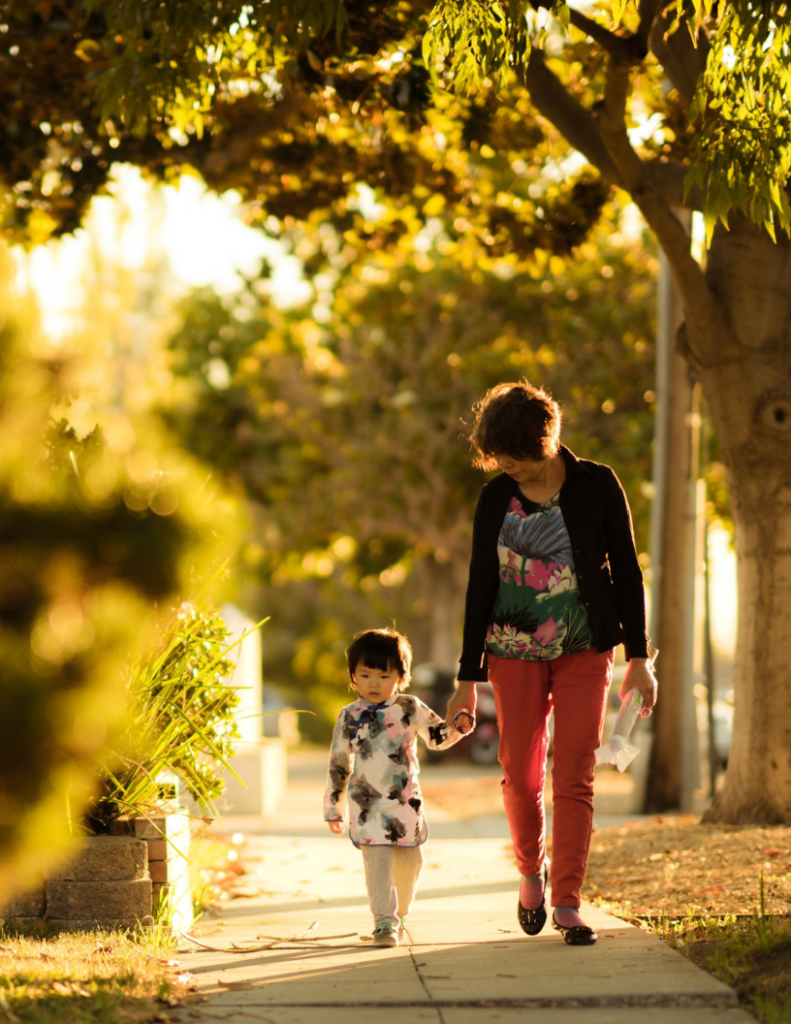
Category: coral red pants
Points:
column 525, row 691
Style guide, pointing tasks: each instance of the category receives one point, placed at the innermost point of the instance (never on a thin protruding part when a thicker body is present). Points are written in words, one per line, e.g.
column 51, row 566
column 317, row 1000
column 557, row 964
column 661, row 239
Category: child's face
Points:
column 373, row 684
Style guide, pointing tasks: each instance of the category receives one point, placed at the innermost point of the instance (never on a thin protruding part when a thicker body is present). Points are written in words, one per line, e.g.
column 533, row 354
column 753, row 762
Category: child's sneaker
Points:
column 385, row 935
column 401, row 926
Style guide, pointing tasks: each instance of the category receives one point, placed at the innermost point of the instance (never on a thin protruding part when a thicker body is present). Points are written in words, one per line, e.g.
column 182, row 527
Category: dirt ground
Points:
column 677, row 864
column 659, row 865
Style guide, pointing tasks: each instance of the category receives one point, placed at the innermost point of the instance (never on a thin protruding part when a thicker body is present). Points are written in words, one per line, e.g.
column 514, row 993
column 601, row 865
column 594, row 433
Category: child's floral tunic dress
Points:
column 374, row 759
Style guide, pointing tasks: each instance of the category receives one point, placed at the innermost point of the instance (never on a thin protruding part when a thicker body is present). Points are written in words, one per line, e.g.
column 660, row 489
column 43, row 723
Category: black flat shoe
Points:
column 532, row 921
column 579, row 935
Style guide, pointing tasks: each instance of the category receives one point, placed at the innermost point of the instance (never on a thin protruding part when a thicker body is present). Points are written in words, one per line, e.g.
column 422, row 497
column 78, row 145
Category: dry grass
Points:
column 673, row 865
column 88, row 977
column 718, row 893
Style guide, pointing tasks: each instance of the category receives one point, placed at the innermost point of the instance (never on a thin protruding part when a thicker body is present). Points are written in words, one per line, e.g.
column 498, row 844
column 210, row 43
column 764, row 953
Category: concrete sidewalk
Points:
column 465, row 961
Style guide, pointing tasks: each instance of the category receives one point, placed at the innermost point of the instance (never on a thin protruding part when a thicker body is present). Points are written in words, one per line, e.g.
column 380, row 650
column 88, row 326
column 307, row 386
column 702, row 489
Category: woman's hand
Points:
column 464, row 699
column 640, row 676
column 337, row 827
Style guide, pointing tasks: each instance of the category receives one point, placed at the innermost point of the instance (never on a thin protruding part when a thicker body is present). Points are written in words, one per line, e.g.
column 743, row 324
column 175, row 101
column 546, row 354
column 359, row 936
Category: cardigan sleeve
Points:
column 627, row 577
column 484, row 580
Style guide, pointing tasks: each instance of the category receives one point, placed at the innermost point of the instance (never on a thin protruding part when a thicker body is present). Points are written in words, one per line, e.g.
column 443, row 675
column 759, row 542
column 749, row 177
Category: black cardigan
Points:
column 600, row 528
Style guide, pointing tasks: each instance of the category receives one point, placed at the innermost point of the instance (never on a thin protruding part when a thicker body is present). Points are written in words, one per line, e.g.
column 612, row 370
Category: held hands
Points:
column 640, row 676
column 337, row 827
column 464, row 699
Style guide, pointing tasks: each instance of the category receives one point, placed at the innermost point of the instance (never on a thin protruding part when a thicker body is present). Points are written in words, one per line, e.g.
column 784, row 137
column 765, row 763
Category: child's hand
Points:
column 337, row 827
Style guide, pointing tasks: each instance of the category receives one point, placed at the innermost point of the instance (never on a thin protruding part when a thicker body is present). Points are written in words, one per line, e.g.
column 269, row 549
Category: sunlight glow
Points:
column 173, row 237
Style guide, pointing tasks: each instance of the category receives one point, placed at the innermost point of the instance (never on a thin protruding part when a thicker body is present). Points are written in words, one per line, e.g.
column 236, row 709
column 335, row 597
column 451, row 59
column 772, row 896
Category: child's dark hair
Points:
column 381, row 649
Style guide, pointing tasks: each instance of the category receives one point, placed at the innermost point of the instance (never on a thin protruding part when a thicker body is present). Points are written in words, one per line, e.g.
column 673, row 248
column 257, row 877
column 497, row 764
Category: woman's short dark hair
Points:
column 382, row 649
column 515, row 419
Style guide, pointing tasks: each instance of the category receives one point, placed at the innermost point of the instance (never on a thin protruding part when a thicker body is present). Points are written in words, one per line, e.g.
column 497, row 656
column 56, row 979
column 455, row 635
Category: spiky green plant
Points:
column 180, row 720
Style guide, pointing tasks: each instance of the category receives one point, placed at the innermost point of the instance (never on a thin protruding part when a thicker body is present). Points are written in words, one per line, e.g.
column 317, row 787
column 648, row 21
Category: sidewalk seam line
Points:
column 726, row 1000
column 425, row 986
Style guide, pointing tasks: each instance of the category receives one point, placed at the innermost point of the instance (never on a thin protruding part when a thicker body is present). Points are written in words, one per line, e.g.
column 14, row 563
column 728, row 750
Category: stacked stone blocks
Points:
column 117, row 881
column 106, row 885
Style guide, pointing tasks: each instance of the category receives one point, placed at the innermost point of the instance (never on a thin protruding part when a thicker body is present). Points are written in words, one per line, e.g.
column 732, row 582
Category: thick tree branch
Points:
column 572, row 120
column 682, row 61
column 620, row 46
column 700, row 305
column 628, row 48
column 648, row 11
column 666, row 178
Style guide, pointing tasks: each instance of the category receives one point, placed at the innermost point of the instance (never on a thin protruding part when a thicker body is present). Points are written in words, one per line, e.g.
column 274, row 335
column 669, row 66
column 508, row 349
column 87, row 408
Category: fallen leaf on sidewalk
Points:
column 235, row 984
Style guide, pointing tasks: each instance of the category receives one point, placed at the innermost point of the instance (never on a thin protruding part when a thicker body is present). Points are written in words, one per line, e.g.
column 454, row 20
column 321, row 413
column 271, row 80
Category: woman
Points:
column 554, row 586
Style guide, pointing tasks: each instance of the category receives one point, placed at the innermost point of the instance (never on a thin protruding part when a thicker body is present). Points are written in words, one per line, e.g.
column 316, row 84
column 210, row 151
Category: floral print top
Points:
column 538, row 613
column 374, row 760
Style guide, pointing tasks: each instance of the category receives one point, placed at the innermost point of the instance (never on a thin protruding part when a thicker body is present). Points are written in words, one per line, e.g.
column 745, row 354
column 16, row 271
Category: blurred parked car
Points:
column 434, row 686
column 723, row 728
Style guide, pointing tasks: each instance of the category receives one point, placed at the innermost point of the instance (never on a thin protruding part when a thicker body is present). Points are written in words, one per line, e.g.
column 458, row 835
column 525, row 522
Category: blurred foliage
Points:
column 93, row 531
column 346, row 417
column 179, row 719
column 343, row 420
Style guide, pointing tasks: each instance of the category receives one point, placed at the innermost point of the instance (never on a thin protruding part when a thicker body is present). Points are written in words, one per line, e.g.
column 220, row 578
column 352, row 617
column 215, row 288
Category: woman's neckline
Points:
column 555, row 484
column 539, row 504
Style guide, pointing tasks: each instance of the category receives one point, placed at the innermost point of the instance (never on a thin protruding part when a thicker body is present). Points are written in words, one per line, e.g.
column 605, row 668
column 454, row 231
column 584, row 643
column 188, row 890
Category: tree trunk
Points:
column 446, row 609
column 665, row 783
column 746, row 377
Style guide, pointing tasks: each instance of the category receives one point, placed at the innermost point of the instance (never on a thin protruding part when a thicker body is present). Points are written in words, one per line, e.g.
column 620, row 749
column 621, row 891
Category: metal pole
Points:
column 664, row 350
column 708, row 647
column 690, row 750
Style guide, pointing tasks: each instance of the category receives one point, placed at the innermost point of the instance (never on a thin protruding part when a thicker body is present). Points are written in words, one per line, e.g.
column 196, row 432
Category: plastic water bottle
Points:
column 616, row 750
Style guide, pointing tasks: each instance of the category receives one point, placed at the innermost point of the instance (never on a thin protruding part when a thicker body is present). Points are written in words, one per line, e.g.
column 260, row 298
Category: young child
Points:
column 374, row 757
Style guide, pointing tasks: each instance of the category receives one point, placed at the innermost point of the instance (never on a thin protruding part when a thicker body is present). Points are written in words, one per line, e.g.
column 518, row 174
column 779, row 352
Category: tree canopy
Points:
column 299, row 104
column 131, row 79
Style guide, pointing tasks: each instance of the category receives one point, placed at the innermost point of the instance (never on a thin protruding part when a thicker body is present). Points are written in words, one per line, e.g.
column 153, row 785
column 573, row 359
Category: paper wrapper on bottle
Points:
column 616, row 750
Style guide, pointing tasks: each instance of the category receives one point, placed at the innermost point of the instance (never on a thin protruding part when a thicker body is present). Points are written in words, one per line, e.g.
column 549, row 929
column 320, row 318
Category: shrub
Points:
column 92, row 533
column 180, row 720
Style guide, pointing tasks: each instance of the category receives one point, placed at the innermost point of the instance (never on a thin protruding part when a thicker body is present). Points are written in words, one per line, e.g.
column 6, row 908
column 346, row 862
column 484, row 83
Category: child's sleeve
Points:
column 339, row 771
column 436, row 733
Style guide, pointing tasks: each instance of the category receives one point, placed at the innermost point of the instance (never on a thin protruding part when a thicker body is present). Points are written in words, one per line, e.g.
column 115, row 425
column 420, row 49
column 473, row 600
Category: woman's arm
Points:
column 464, row 699
column 627, row 577
column 484, row 577
column 640, row 676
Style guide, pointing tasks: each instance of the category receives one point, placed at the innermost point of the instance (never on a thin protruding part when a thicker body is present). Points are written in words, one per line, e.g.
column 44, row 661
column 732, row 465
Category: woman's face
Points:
column 522, row 470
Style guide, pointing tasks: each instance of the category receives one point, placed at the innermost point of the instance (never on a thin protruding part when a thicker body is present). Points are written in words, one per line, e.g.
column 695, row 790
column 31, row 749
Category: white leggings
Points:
column 391, row 877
